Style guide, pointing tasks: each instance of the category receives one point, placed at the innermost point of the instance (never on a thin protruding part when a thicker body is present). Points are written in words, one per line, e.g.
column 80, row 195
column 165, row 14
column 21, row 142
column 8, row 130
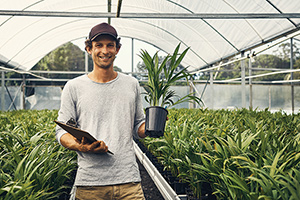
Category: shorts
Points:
column 127, row 191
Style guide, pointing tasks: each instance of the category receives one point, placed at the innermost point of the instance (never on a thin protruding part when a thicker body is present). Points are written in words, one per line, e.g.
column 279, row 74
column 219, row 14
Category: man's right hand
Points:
column 70, row 142
column 95, row 147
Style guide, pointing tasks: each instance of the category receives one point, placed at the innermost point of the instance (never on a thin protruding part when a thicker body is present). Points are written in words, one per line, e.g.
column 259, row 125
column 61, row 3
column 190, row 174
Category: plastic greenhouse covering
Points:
column 25, row 38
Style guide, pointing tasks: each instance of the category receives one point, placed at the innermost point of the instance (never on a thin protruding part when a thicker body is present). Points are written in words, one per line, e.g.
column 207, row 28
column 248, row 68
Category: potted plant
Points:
column 161, row 76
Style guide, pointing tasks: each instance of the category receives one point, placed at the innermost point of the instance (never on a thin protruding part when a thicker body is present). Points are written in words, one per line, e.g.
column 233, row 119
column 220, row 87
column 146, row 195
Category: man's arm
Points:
column 141, row 131
column 72, row 143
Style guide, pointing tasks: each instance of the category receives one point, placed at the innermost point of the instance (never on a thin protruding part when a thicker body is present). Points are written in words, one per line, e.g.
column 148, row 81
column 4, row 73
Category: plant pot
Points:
column 156, row 118
column 166, row 174
column 180, row 187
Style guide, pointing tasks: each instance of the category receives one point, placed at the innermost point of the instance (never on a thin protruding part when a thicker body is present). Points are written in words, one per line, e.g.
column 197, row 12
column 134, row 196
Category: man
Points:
column 108, row 105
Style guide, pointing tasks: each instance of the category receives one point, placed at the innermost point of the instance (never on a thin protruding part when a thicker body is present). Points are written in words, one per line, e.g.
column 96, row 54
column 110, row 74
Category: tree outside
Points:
column 280, row 59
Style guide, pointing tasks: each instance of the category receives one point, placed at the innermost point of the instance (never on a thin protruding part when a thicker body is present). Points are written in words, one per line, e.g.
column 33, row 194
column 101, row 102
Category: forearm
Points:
column 69, row 142
column 141, row 131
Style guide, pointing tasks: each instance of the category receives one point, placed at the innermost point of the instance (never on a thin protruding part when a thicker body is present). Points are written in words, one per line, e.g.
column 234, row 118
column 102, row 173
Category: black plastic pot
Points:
column 156, row 118
column 180, row 187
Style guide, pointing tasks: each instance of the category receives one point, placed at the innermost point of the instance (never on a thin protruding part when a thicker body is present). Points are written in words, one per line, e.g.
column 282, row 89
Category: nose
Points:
column 104, row 50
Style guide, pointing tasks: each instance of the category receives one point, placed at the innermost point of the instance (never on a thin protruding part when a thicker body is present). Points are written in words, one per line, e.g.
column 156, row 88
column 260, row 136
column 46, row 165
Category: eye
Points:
column 98, row 44
column 111, row 45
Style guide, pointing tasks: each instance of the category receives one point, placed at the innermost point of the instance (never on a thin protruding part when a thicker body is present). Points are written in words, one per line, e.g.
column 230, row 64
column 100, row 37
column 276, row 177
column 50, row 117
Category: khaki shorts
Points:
column 126, row 191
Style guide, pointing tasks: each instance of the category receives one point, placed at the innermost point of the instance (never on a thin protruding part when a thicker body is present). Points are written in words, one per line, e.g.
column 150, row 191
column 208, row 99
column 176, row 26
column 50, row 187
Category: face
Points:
column 103, row 51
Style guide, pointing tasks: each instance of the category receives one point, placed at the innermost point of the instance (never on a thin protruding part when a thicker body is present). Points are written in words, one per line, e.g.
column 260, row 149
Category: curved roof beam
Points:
column 168, row 32
column 39, row 37
column 145, row 41
column 231, row 6
column 207, row 24
column 254, row 46
column 118, row 15
column 35, row 3
column 280, row 12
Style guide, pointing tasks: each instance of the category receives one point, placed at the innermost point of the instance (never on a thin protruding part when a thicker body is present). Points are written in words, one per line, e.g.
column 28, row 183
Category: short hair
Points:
column 88, row 43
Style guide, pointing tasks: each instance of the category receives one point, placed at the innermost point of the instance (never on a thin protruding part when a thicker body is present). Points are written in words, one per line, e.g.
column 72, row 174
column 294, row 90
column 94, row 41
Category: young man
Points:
column 108, row 105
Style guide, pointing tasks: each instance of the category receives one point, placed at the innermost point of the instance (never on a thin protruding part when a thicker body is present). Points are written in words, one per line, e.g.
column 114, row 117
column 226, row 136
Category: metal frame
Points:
column 151, row 15
column 175, row 16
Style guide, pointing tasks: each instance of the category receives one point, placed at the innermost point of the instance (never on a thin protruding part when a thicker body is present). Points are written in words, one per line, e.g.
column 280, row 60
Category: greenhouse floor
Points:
column 150, row 190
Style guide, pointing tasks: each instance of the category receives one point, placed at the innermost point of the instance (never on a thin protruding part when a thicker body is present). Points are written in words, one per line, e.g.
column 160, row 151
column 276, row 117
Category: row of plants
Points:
column 241, row 154
column 33, row 165
column 244, row 153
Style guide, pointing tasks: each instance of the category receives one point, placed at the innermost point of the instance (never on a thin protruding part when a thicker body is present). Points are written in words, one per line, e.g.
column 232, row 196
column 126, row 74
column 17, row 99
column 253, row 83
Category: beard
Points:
column 105, row 65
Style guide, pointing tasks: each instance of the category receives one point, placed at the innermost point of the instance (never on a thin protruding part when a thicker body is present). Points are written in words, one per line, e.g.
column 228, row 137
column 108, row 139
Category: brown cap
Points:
column 103, row 29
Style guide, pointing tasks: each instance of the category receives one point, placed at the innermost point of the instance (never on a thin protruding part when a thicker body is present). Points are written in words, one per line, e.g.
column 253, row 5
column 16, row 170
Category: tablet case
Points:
column 77, row 133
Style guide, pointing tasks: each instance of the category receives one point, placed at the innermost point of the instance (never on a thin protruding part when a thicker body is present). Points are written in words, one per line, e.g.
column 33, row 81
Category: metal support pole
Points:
column 132, row 56
column 3, row 91
column 212, row 89
column 243, row 85
column 109, row 11
column 23, row 93
column 291, row 67
column 86, row 63
column 250, row 85
column 119, row 8
column 270, row 98
column 191, row 91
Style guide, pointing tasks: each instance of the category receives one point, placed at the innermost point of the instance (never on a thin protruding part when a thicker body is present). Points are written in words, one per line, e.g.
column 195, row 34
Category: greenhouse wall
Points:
column 274, row 97
column 43, row 98
column 216, row 96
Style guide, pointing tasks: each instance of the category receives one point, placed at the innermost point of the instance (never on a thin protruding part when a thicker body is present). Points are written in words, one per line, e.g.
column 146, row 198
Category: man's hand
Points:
column 141, row 131
column 70, row 142
column 95, row 147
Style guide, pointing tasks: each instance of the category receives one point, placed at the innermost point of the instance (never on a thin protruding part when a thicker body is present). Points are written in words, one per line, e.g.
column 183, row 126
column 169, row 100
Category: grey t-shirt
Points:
column 111, row 112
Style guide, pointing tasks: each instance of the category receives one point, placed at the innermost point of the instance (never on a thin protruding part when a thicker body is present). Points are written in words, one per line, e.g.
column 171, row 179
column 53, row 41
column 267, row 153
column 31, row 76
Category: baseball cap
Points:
column 103, row 29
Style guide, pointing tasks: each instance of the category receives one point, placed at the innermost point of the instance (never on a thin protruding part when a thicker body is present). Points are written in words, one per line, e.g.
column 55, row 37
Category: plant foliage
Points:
column 243, row 154
column 33, row 165
column 162, row 76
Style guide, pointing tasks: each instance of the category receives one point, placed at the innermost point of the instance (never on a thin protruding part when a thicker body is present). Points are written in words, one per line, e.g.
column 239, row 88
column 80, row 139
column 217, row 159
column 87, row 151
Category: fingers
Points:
column 95, row 147
column 101, row 148
column 83, row 140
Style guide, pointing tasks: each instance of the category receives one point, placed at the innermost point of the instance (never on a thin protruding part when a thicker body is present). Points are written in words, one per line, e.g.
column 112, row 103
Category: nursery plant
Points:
column 159, row 95
column 242, row 154
column 33, row 165
column 161, row 76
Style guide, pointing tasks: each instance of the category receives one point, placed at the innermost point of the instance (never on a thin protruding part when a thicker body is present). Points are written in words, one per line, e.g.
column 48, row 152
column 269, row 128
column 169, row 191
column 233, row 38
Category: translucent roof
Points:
column 29, row 29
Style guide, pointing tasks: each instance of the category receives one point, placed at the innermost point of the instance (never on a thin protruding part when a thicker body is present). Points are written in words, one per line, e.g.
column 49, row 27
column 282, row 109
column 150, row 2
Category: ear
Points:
column 118, row 49
column 88, row 50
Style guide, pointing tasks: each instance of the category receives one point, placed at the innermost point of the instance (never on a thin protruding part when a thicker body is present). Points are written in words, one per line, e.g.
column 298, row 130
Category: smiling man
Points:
column 108, row 105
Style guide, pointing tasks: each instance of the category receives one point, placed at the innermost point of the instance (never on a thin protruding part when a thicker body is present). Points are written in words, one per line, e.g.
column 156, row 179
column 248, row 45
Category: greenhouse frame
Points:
column 239, row 137
column 217, row 32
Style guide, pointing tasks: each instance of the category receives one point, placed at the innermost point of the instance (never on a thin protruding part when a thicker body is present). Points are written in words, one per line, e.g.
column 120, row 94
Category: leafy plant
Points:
column 243, row 154
column 161, row 76
column 33, row 165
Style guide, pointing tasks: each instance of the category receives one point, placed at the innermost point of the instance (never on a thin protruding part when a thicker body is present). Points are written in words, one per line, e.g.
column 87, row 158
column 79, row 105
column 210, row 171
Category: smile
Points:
column 106, row 57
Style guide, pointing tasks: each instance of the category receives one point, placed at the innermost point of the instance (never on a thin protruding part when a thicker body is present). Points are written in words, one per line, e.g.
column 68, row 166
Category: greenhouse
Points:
column 238, row 135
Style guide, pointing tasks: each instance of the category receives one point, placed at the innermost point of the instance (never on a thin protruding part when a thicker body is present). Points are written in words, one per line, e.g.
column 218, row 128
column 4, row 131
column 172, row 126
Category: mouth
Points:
column 105, row 57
